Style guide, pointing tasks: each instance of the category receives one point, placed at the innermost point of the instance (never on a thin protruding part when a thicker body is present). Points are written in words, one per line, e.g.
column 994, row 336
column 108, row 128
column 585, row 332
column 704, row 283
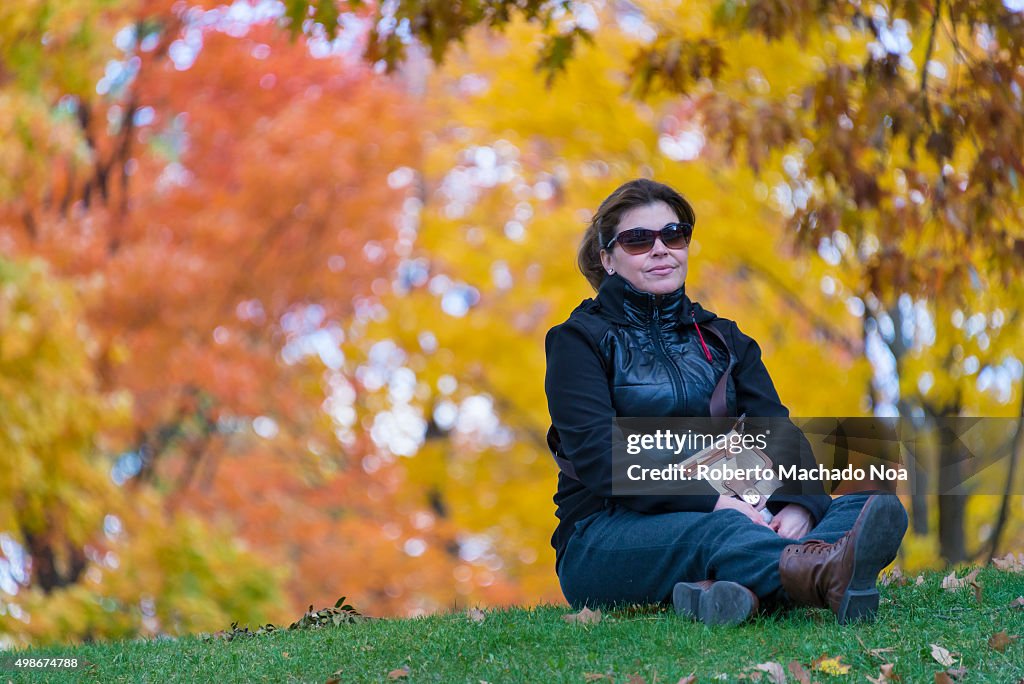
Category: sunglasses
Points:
column 640, row 240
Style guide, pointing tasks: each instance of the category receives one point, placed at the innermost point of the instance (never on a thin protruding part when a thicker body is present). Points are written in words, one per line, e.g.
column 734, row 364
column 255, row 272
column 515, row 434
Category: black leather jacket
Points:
column 632, row 353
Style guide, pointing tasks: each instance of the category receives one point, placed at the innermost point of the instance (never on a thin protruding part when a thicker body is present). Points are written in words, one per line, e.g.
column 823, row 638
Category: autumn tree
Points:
column 218, row 203
column 100, row 564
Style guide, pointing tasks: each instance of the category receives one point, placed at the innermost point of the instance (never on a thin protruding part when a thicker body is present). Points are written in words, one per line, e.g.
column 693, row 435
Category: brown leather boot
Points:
column 842, row 576
column 714, row 603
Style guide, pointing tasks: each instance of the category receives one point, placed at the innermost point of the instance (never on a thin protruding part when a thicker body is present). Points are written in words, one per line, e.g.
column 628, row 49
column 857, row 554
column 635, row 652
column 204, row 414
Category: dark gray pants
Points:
column 620, row 556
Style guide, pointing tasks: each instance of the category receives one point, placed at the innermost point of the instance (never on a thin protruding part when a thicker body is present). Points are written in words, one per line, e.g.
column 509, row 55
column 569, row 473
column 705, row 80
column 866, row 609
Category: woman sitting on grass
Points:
column 643, row 348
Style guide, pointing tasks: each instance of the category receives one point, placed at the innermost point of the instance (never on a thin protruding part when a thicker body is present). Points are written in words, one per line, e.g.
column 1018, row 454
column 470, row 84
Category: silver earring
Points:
column 611, row 271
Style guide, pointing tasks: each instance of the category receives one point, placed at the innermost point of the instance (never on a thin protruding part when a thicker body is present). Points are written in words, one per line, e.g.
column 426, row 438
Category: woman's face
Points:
column 659, row 271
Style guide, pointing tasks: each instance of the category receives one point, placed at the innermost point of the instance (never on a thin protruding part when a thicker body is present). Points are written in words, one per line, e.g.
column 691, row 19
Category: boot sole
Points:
column 725, row 603
column 882, row 524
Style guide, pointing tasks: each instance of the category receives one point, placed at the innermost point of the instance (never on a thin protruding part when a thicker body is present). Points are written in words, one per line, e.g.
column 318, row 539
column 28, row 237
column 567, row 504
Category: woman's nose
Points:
column 659, row 247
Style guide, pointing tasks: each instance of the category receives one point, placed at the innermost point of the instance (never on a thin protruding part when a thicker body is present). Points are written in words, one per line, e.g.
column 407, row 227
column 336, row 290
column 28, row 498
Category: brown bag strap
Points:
column 719, row 406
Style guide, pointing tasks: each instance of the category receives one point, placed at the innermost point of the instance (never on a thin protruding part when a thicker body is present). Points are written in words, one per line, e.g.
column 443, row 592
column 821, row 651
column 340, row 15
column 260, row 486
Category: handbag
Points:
column 738, row 465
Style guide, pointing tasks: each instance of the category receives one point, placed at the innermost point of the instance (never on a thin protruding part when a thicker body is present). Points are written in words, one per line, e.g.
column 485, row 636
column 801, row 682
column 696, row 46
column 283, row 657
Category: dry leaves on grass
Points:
column 951, row 581
column 876, row 652
column 1000, row 640
column 1017, row 603
column 941, row 655
column 885, row 675
column 832, row 665
column 597, row 677
column 584, row 617
column 476, row 615
column 799, row 673
column 897, row 578
column 1010, row 562
column 688, row 679
column 776, row 675
column 894, row 576
column 950, row 676
column 400, row 673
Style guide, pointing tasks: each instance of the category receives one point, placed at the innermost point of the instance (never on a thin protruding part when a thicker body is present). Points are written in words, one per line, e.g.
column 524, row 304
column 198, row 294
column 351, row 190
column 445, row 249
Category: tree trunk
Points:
column 49, row 572
column 952, row 507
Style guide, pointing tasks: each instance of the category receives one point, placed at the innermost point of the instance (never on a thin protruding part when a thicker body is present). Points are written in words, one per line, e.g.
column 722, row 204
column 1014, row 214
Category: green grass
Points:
column 537, row 645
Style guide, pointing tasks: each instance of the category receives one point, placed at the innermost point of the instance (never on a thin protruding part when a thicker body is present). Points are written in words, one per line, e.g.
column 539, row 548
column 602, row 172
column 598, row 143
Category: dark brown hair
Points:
column 635, row 193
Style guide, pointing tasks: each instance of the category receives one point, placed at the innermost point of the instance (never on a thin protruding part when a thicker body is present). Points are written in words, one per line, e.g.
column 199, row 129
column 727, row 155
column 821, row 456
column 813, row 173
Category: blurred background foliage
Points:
column 275, row 278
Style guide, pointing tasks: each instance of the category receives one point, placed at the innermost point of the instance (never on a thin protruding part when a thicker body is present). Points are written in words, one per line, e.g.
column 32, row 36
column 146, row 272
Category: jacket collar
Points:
column 623, row 303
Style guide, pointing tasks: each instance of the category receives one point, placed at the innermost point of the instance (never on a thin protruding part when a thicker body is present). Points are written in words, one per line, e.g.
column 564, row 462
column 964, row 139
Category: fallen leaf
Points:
column 334, row 678
column 880, row 652
column 943, row 678
column 941, row 655
column 1000, row 640
column 635, row 678
column 919, row 581
column 950, row 581
column 688, row 679
column 584, row 617
column 977, row 591
column 885, row 675
column 1010, row 562
column 1017, row 603
column 776, row 675
column 831, row 665
column 894, row 576
column 596, row 676
column 957, row 673
column 798, row 671
column 400, row 673
column 477, row 615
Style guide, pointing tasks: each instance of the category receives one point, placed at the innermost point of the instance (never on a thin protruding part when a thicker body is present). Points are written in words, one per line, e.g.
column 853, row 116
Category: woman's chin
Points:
column 663, row 284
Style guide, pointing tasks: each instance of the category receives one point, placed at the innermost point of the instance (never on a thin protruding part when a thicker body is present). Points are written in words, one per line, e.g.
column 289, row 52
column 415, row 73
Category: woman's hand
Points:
column 741, row 506
column 792, row 522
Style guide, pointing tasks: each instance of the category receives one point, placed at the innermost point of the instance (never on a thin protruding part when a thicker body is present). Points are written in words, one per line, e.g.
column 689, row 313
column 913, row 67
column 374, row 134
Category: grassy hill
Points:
column 634, row 644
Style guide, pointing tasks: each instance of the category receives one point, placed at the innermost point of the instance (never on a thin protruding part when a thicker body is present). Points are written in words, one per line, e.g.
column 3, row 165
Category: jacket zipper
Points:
column 677, row 380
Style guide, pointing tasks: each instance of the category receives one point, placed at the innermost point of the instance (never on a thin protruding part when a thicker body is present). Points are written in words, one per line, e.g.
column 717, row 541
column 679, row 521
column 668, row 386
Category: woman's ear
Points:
column 606, row 260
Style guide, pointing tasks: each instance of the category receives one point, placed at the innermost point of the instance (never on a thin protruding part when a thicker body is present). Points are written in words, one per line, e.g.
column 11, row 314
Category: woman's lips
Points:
column 661, row 270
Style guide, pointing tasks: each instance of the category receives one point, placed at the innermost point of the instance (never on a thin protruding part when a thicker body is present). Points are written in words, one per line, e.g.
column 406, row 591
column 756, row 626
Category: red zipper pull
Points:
column 699, row 334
